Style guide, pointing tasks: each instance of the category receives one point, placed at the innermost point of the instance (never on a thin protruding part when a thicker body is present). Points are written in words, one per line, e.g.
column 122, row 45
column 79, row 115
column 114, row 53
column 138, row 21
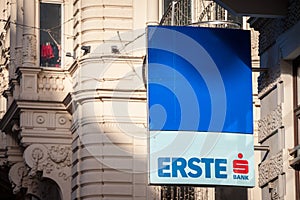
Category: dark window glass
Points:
column 229, row 193
column 166, row 5
column 50, row 35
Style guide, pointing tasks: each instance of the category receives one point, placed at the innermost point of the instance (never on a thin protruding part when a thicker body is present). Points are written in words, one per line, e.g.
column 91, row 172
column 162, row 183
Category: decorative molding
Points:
column 51, row 82
column 274, row 194
column 45, row 119
column 269, row 124
column 15, row 128
column 62, row 120
column 53, row 160
column 254, row 44
column 17, row 174
column 40, row 119
column 267, row 81
column 3, row 159
column 20, row 178
column 60, row 155
column 270, row 169
column 3, row 80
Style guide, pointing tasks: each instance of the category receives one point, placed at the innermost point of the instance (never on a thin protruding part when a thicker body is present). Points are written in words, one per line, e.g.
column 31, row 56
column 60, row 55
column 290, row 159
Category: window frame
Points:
column 62, row 7
column 296, row 108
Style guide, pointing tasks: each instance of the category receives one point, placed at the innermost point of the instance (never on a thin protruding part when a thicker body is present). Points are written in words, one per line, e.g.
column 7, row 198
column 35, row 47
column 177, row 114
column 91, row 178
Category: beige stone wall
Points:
column 278, row 48
column 109, row 131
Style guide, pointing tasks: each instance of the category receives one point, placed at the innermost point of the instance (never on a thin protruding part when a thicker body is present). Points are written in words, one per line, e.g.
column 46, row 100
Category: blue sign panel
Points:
column 200, row 90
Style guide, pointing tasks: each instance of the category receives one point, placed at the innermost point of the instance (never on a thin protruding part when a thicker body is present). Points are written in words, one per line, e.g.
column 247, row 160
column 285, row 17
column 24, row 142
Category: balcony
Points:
column 201, row 13
column 295, row 154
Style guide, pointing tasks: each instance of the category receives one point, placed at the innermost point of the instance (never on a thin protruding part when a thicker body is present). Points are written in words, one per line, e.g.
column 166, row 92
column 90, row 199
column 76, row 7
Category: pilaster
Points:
column 29, row 36
column 152, row 12
column 19, row 34
column 13, row 38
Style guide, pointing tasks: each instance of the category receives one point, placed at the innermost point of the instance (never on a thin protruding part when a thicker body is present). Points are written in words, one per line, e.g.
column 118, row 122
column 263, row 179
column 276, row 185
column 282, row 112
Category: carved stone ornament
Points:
column 4, row 80
column 53, row 160
column 271, row 168
column 17, row 176
column 274, row 194
column 269, row 124
column 267, row 81
column 40, row 119
column 51, row 82
column 42, row 188
column 62, row 120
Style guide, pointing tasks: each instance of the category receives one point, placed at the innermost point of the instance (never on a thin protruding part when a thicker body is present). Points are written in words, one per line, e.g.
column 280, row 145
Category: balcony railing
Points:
column 178, row 13
column 202, row 13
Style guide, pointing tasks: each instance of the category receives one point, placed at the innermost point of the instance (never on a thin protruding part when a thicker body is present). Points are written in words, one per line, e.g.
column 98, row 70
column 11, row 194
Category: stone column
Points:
column 152, row 12
column 29, row 37
column 13, row 17
column 19, row 34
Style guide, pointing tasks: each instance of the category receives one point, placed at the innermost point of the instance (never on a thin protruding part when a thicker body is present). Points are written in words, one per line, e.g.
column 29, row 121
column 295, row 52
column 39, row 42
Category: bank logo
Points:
column 240, row 168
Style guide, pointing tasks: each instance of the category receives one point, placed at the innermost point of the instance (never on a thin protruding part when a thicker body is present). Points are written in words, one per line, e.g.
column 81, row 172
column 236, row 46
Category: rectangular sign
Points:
column 201, row 158
column 200, row 106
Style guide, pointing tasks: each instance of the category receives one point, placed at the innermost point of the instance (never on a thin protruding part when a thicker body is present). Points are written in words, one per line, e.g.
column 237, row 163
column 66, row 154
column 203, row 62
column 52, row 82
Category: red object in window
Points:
column 47, row 51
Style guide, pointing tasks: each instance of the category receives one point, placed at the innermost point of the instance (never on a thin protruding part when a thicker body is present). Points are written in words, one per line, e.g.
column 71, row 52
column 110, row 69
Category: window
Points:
column 166, row 5
column 50, row 35
column 296, row 165
column 296, row 66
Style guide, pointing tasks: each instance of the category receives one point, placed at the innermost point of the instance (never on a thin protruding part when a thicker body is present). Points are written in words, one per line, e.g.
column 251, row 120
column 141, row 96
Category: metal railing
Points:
column 177, row 193
column 202, row 13
column 178, row 13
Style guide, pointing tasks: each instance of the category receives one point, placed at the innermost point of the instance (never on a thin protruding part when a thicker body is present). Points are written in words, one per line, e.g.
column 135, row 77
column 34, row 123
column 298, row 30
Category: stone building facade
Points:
column 67, row 67
column 278, row 92
column 73, row 111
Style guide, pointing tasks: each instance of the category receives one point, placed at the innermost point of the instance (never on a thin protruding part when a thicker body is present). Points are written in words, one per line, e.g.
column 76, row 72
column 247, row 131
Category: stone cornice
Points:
column 110, row 58
column 132, row 95
column 20, row 70
column 72, row 69
column 16, row 106
column 271, row 28
column 9, row 115
column 68, row 103
column 258, row 23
